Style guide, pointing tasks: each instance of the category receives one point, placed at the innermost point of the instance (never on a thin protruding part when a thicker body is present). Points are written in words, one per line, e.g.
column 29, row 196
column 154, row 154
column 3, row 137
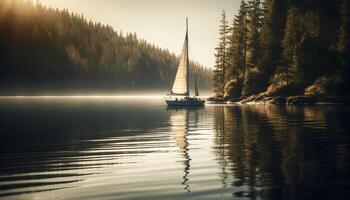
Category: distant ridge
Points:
column 46, row 49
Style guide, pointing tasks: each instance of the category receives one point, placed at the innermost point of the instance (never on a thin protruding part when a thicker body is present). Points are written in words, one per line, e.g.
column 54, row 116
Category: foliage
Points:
column 238, row 44
column 281, row 47
column 254, row 28
column 251, row 83
column 281, row 89
column 272, row 35
column 237, row 48
column 233, row 89
column 46, row 48
column 221, row 55
column 324, row 86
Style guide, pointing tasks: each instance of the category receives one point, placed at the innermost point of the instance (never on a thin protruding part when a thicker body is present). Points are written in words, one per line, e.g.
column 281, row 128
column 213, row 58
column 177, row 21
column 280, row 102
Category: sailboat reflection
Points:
column 180, row 126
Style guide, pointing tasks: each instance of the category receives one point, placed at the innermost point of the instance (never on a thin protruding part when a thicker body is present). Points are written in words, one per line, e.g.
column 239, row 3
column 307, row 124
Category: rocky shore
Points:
column 290, row 100
column 279, row 100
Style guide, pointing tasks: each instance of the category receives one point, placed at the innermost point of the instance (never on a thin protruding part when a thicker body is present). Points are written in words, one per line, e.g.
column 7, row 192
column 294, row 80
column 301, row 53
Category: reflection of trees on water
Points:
column 220, row 146
column 283, row 152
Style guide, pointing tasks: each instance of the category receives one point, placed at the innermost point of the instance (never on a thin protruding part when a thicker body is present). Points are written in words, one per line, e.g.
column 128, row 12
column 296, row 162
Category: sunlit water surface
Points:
column 137, row 148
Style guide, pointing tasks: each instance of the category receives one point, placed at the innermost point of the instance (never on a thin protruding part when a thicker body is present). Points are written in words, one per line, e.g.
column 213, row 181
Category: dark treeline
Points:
column 49, row 50
column 284, row 47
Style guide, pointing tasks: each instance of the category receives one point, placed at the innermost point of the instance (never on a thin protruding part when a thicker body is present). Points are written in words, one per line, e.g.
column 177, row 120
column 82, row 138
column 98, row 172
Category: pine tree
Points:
column 344, row 34
column 343, row 46
column 238, row 43
column 238, row 52
column 293, row 35
column 272, row 33
column 217, row 78
column 286, row 47
column 221, row 56
column 254, row 16
column 306, row 47
column 252, row 73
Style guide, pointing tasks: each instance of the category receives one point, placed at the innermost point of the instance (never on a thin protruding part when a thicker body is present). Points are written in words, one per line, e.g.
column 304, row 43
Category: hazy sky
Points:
column 161, row 22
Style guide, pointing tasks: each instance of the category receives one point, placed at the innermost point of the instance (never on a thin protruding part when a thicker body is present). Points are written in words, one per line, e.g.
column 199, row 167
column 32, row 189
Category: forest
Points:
column 46, row 50
column 284, row 48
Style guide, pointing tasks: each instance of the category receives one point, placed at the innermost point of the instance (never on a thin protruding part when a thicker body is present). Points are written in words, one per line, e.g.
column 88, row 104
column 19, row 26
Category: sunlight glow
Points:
column 87, row 97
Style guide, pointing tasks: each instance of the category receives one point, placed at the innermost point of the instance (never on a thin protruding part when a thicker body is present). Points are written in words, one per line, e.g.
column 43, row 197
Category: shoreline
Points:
column 262, row 99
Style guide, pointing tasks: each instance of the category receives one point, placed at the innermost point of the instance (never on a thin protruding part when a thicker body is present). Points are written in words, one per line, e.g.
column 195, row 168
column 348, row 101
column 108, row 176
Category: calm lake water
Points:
column 140, row 149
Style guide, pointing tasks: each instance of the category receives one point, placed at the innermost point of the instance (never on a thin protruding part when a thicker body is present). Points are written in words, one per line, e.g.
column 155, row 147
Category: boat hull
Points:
column 185, row 102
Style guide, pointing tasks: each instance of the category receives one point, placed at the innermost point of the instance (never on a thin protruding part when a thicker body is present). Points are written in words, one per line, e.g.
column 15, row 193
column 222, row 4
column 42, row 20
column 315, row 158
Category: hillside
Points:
column 49, row 50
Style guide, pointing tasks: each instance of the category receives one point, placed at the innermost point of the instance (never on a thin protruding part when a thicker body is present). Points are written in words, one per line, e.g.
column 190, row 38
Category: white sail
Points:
column 181, row 83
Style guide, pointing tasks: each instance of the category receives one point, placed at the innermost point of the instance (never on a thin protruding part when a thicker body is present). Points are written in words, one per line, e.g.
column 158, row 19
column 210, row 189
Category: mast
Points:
column 188, row 62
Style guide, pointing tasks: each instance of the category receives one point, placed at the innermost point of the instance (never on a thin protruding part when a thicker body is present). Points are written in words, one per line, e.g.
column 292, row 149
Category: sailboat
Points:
column 180, row 93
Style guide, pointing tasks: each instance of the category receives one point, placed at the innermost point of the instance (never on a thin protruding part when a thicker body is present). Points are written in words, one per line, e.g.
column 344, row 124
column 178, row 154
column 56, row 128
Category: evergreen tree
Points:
column 252, row 76
column 343, row 46
column 238, row 52
column 272, row 33
column 217, row 78
column 286, row 47
column 292, row 38
column 254, row 25
column 221, row 56
column 344, row 34
column 305, row 43
column 238, row 43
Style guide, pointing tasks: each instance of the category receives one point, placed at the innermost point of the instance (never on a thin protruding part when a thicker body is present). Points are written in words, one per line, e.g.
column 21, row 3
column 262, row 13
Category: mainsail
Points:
column 181, row 83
